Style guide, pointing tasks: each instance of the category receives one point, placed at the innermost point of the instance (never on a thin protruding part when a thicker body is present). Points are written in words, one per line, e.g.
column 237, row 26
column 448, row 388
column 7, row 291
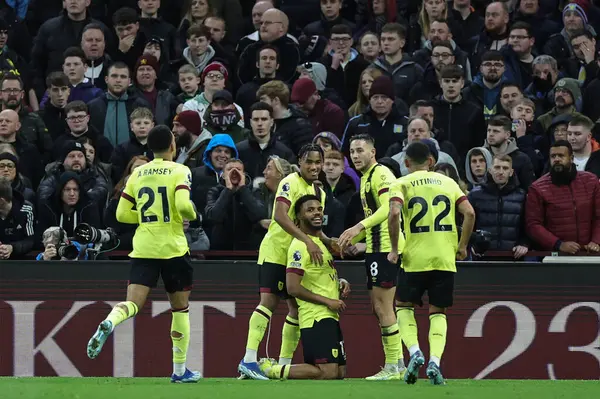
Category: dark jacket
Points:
column 123, row 153
column 230, row 212
column 333, row 216
column 472, row 25
column 246, row 96
column 135, row 52
column 104, row 148
column 481, row 43
column 30, row 164
column 194, row 157
column 17, row 229
column 323, row 26
column 387, row 132
column 514, row 72
column 54, row 37
column 427, row 88
column 34, row 131
column 345, row 81
column 289, row 56
column 501, row 211
column 84, row 91
column 342, row 191
column 557, row 47
column 294, row 130
column 157, row 27
column 165, row 108
column 231, row 12
column 423, row 57
column 404, row 74
column 54, row 119
column 542, row 27
column 488, row 99
column 460, row 123
column 98, row 107
column 521, row 163
column 591, row 105
column 124, row 231
column 413, row 41
column 100, row 65
column 94, row 181
column 564, row 213
column 327, row 117
column 256, row 158
column 23, row 186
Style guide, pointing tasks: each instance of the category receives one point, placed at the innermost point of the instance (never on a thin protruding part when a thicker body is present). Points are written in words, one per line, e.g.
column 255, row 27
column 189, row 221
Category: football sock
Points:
column 438, row 327
column 408, row 324
column 401, row 365
column 390, row 337
column 118, row 315
column 279, row 372
column 180, row 336
column 290, row 335
column 259, row 321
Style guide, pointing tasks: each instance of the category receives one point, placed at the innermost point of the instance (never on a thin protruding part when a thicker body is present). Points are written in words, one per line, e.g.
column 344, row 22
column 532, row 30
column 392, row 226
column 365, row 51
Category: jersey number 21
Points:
column 149, row 207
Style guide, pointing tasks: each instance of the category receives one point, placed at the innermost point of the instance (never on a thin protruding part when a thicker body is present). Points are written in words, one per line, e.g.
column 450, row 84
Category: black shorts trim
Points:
column 323, row 343
column 379, row 271
column 271, row 279
column 177, row 273
column 438, row 284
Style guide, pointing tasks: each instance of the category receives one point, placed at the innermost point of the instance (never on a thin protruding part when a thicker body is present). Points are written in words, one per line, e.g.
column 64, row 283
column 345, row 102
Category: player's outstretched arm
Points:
column 466, row 209
column 295, row 289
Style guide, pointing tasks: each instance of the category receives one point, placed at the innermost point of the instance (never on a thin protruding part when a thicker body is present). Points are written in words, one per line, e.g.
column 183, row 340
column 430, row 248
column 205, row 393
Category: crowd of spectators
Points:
column 507, row 93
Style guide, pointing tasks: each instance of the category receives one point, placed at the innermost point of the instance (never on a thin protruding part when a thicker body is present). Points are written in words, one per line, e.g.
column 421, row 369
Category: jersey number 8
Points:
column 162, row 190
column 437, row 224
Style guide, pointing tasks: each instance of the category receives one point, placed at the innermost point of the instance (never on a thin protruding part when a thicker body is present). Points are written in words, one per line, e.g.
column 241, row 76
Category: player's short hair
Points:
column 418, row 152
column 142, row 113
column 275, row 89
column 75, row 52
column 503, row 158
column 452, row 72
column 414, row 107
column 334, row 154
column 6, row 192
column 304, row 199
column 58, row 79
column 582, row 120
column 187, row 68
column 76, row 106
column 363, row 136
column 118, row 65
column 160, row 138
column 501, row 121
column 261, row 106
column 125, row 16
column 306, row 148
column 563, row 143
column 394, row 27
column 198, row 30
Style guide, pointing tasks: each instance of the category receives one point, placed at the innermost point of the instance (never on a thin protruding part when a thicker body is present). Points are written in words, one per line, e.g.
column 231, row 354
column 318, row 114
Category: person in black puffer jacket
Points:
column 500, row 207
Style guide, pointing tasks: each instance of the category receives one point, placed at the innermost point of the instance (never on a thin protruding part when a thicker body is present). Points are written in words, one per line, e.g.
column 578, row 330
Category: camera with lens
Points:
column 66, row 250
column 86, row 234
column 480, row 241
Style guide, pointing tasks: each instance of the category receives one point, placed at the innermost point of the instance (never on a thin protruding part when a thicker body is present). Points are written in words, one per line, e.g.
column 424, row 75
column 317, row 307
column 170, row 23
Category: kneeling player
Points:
column 317, row 290
column 157, row 198
column 428, row 202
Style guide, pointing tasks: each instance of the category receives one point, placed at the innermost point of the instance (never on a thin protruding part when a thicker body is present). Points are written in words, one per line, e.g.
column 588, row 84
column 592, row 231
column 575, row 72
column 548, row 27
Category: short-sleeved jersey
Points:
column 374, row 191
column 318, row 279
column 429, row 202
column 151, row 187
column 274, row 246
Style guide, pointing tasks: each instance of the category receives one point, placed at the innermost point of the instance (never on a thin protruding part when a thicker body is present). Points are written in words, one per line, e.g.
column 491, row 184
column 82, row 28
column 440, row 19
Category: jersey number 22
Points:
column 437, row 224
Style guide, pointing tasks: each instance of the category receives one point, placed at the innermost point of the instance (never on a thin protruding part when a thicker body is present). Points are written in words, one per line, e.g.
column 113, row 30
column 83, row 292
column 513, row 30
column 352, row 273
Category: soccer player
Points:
column 317, row 290
column 272, row 259
column 428, row 203
column 157, row 198
column 381, row 274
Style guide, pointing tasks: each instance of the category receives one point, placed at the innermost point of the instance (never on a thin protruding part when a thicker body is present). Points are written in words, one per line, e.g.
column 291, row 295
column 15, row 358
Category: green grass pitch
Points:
column 161, row 388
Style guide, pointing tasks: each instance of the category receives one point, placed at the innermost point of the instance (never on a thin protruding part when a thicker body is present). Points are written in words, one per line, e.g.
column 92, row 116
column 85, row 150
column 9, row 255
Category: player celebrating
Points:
column 272, row 258
column 428, row 202
column 381, row 274
column 157, row 198
column 317, row 289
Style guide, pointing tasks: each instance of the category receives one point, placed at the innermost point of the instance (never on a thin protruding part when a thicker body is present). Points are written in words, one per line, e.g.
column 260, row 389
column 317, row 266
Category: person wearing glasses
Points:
column 78, row 126
column 485, row 89
column 10, row 171
column 518, row 55
column 442, row 55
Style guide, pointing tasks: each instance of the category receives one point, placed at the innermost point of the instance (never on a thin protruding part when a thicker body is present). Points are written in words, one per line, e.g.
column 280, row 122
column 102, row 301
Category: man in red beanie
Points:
column 191, row 139
column 383, row 120
column 163, row 102
column 324, row 115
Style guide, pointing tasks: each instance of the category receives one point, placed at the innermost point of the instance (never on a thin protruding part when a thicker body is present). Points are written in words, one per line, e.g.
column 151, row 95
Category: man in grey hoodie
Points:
column 477, row 162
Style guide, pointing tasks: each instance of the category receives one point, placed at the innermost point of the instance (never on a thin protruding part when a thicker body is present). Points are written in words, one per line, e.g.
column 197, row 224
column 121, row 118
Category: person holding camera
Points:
column 69, row 207
column 58, row 247
column 16, row 223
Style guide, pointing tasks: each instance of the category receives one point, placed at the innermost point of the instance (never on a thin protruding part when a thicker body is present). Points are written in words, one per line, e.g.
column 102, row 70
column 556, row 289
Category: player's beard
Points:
column 562, row 175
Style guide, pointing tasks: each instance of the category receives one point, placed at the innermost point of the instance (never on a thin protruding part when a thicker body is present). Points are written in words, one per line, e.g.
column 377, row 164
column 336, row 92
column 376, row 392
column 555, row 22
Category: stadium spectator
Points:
column 93, row 44
column 442, row 56
column 189, row 84
column 124, row 231
column 199, row 52
column 583, row 66
column 579, row 135
column 219, row 151
column 109, row 114
column 273, row 31
column 362, row 96
column 217, row 28
column 292, row 128
column 55, row 36
column 32, row 126
column 368, row 46
column 499, row 204
column 493, row 37
column 450, row 171
column 532, row 144
column 68, row 206
column 53, row 113
column 383, row 120
column 420, row 24
column 16, row 223
column 322, row 113
column 154, row 26
column 518, row 55
column 336, row 182
column 374, row 15
column 471, row 21
column 541, row 89
column 261, row 145
column 559, row 127
column 318, row 74
column 15, row 62
column 510, row 94
column 194, row 13
column 529, row 11
column 268, row 65
column 132, row 40
column 485, row 89
column 477, row 164
column 10, row 171
column 567, row 97
column 91, row 179
column 190, row 138
column 393, row 63
column 231, row 207
column 90, row 154
column 9, row 126
column 231, row 12
column 563, row 206
column 75, row 67
column 330, row 17
column 223, row 116
column 166, row 73
column 344, row 64
column 78, row 126
column 163, row 103
column 329, row 142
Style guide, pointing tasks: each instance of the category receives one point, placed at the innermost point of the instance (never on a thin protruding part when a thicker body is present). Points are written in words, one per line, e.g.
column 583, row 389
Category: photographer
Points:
column 16, row 223
column 58, row 247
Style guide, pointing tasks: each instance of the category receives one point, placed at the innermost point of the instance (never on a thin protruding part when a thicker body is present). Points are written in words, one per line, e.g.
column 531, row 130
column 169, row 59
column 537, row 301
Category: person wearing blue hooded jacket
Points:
column 219, row 151
column 485, row 89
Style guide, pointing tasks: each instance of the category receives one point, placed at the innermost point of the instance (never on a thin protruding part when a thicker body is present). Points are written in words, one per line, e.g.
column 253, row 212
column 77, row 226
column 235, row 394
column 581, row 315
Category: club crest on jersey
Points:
column 297, row 256
column 335, row 353
column 286, row 187
column 280, row 285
